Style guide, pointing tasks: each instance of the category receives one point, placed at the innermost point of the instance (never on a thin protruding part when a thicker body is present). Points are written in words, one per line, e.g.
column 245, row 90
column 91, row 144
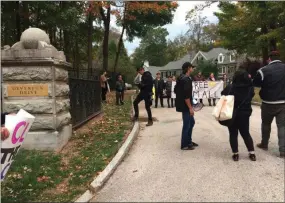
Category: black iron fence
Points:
column 85, row 95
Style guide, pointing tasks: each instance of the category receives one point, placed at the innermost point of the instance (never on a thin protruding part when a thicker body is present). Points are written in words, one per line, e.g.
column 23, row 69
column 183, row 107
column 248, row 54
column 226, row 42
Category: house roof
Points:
column 174, row 65
column 153, row 70
column 214, row 53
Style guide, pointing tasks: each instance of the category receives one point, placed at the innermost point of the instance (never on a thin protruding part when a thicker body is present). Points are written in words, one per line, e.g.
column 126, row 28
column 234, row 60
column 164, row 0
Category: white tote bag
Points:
column 217, row 109
column 224, row 108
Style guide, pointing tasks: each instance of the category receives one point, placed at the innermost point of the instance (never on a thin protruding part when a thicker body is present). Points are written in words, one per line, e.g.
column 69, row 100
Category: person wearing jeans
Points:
column 184, row 102
column 271, row 79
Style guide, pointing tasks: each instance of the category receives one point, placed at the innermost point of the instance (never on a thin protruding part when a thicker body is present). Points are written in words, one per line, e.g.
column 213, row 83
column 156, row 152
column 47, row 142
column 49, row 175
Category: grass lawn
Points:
column 256, row 97
column 61, row 177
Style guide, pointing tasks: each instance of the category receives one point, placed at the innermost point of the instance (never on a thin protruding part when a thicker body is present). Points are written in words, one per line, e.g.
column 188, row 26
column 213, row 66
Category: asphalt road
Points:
column 157, row 170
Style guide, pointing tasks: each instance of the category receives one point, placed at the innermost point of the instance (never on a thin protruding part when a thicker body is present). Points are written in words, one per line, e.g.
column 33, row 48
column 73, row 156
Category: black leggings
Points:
column 241, row 124
column 148, row 103
column 103, row 93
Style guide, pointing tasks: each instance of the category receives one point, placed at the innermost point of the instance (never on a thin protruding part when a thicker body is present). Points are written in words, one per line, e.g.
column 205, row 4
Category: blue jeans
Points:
column 188, row 124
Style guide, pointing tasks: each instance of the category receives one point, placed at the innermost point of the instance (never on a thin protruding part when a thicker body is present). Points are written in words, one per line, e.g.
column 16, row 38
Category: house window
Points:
column 232, row 58
column 223, row 70
column 221, row 58
column 162, row 74
column 174, row 73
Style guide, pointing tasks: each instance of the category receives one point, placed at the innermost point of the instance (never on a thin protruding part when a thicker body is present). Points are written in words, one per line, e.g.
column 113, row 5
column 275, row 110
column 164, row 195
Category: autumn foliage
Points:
column 126, row 9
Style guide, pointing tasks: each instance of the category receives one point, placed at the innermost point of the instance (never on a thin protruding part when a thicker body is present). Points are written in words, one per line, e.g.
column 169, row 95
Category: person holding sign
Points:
column 212, row 78
column 199, row 77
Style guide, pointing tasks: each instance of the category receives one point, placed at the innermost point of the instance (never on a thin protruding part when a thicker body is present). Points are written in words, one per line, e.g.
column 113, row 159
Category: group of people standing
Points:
column 271, row 80
column 160, row 86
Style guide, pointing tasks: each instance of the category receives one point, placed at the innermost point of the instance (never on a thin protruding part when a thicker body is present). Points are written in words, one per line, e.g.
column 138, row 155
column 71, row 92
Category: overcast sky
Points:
column 178, row 25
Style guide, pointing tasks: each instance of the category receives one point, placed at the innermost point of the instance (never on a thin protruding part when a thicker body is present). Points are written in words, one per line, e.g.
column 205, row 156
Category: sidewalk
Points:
column 157, row 170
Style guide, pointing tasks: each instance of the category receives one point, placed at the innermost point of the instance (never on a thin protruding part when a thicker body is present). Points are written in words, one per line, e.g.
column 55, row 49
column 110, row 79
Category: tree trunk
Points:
column 120, row 40
column 119, row 49
column 106, row 20
column 89, row 42
column 25, row 15
column 264, row 30
column 18, row 21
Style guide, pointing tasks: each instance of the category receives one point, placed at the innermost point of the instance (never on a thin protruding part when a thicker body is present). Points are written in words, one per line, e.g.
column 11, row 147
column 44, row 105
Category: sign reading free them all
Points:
column 27, row 90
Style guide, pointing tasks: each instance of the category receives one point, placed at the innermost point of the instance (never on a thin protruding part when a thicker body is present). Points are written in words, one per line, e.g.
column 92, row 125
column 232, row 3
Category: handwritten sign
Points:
column 207, row 89
column 27, row 90
column 18, row 126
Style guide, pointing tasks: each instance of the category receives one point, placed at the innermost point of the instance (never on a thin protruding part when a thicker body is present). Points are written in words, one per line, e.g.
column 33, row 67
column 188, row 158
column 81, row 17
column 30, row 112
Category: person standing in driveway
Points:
column 184, row 102
column 145, row 85
column 199, row 77
column 271, row 79
column 159, row 86
column 168, row 90
column 212, row 78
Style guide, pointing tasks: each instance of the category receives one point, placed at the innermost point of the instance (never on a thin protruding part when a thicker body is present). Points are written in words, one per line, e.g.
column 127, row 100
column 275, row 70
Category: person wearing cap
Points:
column 271, row 79
column 145, row 85
column 184, row 104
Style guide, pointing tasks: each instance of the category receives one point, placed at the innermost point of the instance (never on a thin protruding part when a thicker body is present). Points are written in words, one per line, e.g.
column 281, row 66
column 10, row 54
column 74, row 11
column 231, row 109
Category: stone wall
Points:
column 35, row 78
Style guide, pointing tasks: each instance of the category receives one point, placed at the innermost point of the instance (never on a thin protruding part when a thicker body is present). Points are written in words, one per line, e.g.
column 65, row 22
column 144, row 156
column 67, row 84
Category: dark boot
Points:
column 262, row 146
column 150, row 123
column 252, row 157
column 235, row 157
column 282, row 155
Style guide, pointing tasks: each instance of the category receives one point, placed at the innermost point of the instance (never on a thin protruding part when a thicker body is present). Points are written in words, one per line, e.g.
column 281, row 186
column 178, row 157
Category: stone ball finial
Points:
column 31, row 36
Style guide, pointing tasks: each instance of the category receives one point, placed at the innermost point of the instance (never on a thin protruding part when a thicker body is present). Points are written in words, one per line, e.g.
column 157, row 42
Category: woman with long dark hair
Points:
column 243, row 91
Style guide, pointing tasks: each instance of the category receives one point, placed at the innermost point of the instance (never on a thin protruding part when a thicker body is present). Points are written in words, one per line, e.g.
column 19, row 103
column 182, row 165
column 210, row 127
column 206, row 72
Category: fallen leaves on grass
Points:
column 43, row 179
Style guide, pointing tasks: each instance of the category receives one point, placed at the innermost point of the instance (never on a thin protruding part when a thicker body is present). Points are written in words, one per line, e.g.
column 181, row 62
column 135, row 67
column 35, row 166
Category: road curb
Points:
column 103, row 177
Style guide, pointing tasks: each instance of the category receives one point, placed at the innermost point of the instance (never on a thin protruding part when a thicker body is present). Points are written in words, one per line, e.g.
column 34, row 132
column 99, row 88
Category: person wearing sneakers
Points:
column 271, row 79
column 243, row 92
column 145, row 85
column 184, row 103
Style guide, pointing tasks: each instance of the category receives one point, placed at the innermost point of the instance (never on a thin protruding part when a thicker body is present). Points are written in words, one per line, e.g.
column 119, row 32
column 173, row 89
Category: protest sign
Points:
column 207, row 89
column 18, row 125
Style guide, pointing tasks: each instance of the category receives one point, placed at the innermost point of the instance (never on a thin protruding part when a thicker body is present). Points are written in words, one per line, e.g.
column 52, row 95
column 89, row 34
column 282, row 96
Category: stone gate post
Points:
column 35, row 78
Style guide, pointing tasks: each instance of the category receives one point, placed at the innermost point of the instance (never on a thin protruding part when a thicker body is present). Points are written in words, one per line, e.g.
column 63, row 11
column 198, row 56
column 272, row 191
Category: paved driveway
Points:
column 157, row 170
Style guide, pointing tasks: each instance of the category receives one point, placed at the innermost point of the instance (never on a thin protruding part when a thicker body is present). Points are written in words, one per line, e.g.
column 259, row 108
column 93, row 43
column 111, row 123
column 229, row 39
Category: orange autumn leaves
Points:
column 95, row 7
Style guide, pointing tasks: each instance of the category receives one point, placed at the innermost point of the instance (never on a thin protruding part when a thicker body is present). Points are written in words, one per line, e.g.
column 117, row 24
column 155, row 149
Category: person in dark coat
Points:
column 271, row 79
column 159, row 86
column 243, row 91
column 168, row 87
column 199, row 77
column 145, row 85
column 212, row 78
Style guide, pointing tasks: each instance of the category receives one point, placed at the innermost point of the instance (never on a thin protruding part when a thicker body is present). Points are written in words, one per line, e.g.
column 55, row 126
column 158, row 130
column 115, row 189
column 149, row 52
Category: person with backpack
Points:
column 271, row 79
column 243, row 92
column 184, row 104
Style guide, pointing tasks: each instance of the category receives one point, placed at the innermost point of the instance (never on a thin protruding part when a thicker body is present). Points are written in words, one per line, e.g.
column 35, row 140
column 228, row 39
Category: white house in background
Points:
column 226, row 60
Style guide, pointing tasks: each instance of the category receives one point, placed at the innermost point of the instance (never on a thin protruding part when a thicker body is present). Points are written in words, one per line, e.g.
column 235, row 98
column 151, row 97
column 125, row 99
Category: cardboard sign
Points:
column 27, row 90
column 18, row 126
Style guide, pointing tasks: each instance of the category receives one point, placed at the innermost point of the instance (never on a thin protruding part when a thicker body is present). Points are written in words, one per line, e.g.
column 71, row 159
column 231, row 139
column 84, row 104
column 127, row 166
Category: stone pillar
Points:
column 35, row 78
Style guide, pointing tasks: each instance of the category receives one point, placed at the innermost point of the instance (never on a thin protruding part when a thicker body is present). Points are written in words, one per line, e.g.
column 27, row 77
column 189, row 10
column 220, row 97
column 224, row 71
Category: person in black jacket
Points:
column 243, row 91
column 184, row 103
column 145, row 85
column 159, row 86
column 271, row 79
